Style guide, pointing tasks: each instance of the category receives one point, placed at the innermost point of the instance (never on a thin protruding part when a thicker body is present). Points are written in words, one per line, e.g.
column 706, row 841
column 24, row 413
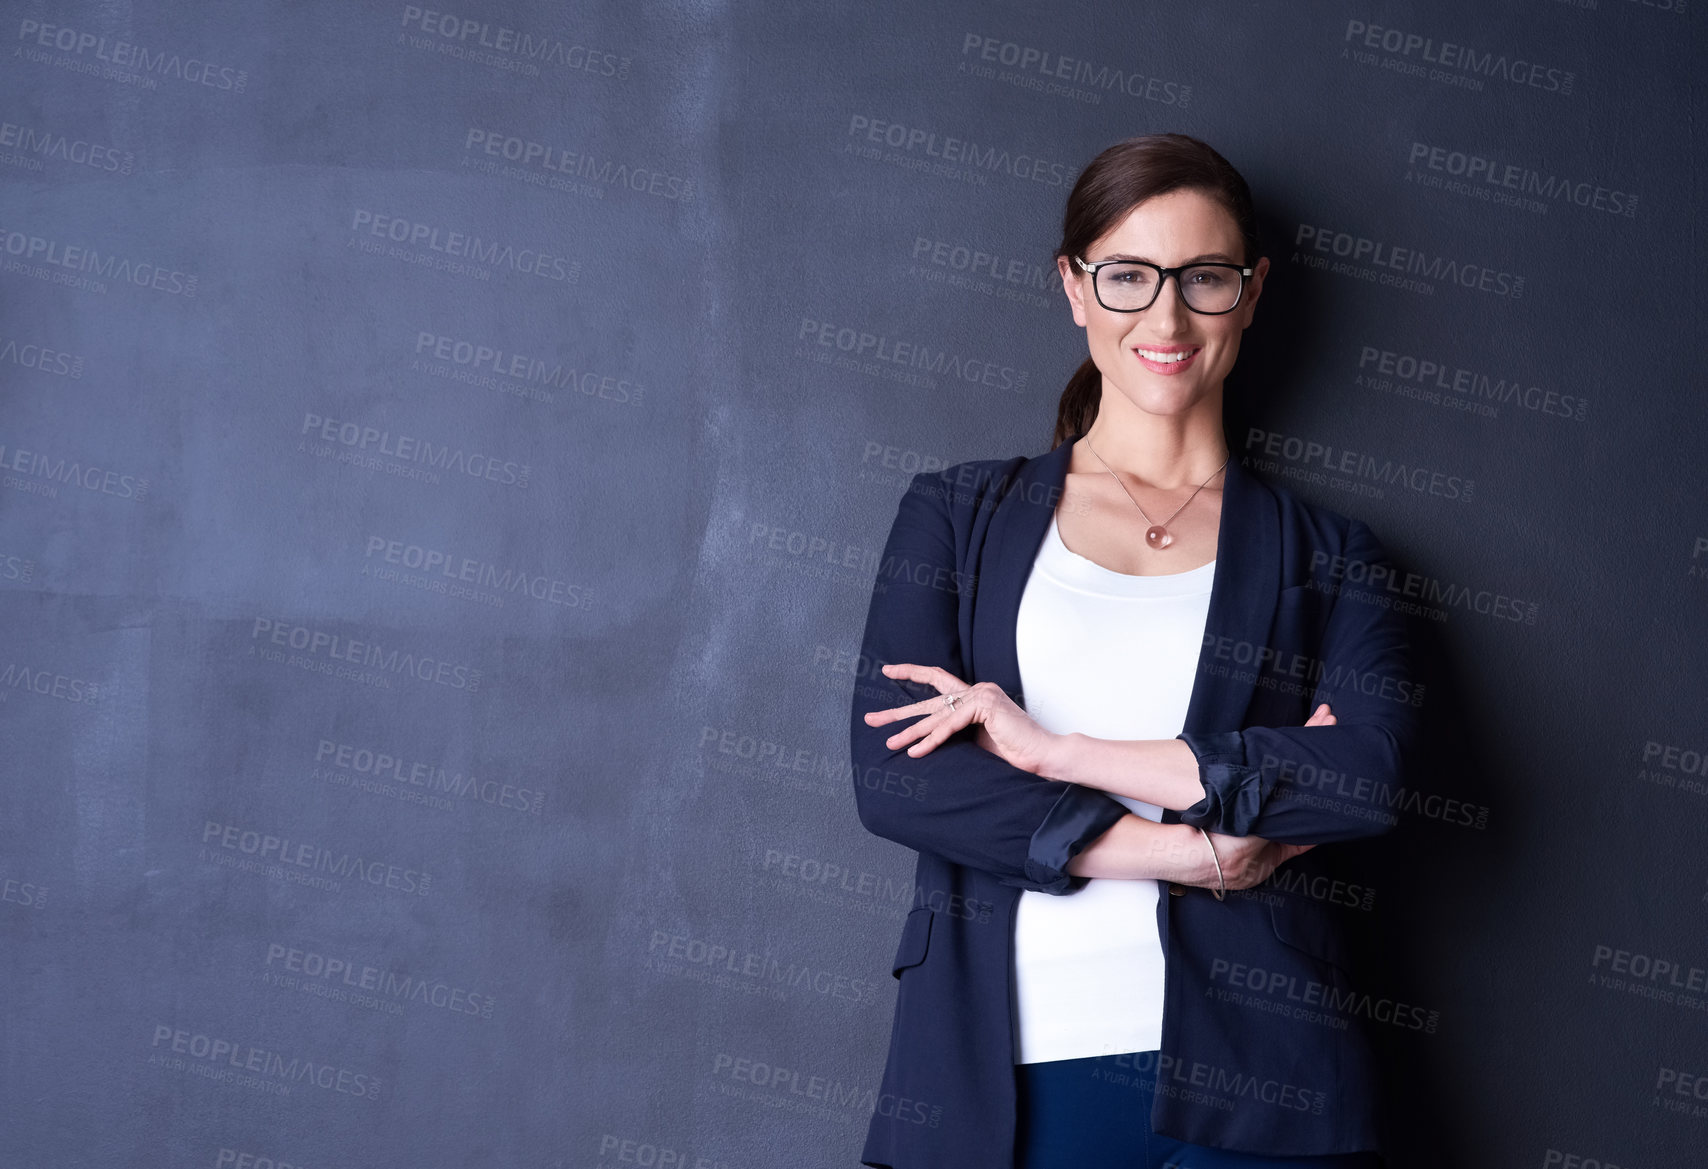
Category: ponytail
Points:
column 1078, row 409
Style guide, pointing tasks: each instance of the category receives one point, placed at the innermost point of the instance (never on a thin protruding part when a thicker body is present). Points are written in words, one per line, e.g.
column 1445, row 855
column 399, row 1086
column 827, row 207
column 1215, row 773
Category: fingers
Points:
column 1248, row 861
column 937, row 726
column 943, row 680
column 1252, row 860
column 929, row 744
column 940, row 727
column 878, row 718
column 1322, row 716
column 931, row 675
column 908, row 734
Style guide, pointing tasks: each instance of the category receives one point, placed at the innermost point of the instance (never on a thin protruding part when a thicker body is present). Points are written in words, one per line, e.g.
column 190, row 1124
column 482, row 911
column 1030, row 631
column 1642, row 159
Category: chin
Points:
column 1162, row 401
column 1164, row 395
column 1166, row 404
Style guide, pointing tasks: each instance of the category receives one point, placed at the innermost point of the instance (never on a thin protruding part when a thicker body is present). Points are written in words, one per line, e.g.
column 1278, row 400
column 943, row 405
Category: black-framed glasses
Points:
column 1130, row 286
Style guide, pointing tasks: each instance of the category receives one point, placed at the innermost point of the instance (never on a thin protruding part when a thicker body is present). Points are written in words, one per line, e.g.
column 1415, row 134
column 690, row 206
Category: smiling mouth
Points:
column 1167, row 356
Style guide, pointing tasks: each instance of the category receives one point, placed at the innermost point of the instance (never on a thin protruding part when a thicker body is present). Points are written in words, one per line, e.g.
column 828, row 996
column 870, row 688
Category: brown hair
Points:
column 1112, row 184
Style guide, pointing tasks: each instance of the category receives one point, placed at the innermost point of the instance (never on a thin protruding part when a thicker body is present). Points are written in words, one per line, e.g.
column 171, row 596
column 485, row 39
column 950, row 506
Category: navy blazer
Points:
column 1263, row 1041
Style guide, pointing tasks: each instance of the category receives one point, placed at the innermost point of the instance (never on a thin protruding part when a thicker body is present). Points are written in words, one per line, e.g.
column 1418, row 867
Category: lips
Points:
column 1167, row 359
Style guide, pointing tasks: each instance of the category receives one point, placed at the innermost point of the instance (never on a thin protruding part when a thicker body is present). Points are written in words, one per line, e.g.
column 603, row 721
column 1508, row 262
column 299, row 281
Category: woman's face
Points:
column 1132, row 349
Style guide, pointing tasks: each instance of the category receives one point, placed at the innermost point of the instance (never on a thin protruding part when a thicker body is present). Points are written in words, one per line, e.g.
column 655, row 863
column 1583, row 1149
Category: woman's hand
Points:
column 1004, row 729
column 1246, row 860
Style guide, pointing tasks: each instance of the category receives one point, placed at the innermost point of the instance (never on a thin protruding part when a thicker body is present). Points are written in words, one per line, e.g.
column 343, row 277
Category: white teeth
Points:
column 1167, row 358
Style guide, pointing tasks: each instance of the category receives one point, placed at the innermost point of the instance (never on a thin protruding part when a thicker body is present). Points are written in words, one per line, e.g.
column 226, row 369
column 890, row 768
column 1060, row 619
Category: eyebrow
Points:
column 1221, row 256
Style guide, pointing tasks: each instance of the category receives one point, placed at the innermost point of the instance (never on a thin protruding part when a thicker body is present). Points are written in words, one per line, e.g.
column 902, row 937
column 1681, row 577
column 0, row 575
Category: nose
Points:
column 1169, row 306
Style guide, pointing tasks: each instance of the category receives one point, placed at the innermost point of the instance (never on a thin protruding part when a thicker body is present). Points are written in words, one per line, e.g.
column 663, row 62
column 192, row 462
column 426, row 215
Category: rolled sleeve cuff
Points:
column 1233, row 792
column 1079, row 816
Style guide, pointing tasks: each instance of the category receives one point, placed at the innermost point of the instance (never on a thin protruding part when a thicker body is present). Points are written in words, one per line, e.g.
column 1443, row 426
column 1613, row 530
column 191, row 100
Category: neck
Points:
column 1165, row 451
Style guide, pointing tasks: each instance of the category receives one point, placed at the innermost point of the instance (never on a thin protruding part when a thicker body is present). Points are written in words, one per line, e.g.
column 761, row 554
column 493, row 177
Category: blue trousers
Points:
column 1095, row 1113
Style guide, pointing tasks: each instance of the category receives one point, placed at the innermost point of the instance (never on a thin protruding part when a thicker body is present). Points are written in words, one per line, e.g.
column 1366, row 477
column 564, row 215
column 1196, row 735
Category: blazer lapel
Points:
column 1243, row 596
column 1244, row 589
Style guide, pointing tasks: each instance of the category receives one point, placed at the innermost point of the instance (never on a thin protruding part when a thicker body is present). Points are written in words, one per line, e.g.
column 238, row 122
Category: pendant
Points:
column 1157, row 536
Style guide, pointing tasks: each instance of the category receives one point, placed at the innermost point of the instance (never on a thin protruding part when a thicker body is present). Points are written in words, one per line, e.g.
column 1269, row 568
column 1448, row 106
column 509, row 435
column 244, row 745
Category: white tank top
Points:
column 1112, row 656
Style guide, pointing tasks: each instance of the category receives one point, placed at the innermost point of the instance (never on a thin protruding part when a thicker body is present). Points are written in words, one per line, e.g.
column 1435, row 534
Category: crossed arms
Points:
column 1026, row 822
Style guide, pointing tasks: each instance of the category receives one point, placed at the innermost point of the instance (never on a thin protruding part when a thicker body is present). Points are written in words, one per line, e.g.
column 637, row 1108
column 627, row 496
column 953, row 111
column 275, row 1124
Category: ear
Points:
column 1253, row 290
column 1073, row 283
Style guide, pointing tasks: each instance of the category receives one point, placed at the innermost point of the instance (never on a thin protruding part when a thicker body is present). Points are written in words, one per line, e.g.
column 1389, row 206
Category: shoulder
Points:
column 971, row 485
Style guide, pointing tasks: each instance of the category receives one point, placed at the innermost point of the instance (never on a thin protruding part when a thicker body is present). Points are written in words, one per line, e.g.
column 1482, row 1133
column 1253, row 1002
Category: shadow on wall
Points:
column 1428, row 877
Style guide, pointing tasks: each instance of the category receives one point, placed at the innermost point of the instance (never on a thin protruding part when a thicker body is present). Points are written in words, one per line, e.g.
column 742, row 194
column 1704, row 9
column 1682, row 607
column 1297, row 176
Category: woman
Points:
column 1212, row 685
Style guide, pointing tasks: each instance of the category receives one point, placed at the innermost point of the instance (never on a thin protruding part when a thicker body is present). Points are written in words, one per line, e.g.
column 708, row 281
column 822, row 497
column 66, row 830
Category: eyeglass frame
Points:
column 1162, row 278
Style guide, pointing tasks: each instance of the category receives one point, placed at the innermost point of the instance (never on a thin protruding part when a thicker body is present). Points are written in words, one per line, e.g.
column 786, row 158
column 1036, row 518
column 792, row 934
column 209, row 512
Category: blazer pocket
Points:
column 915, row 940
column 1312, row 930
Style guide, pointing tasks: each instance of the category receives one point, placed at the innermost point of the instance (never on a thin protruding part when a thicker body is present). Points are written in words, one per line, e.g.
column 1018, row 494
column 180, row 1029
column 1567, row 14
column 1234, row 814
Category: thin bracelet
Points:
column 1221, row 885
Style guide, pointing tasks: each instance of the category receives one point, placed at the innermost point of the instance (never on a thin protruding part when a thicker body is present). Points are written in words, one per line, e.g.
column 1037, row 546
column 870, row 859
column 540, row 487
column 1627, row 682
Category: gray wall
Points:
column 439, row 509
